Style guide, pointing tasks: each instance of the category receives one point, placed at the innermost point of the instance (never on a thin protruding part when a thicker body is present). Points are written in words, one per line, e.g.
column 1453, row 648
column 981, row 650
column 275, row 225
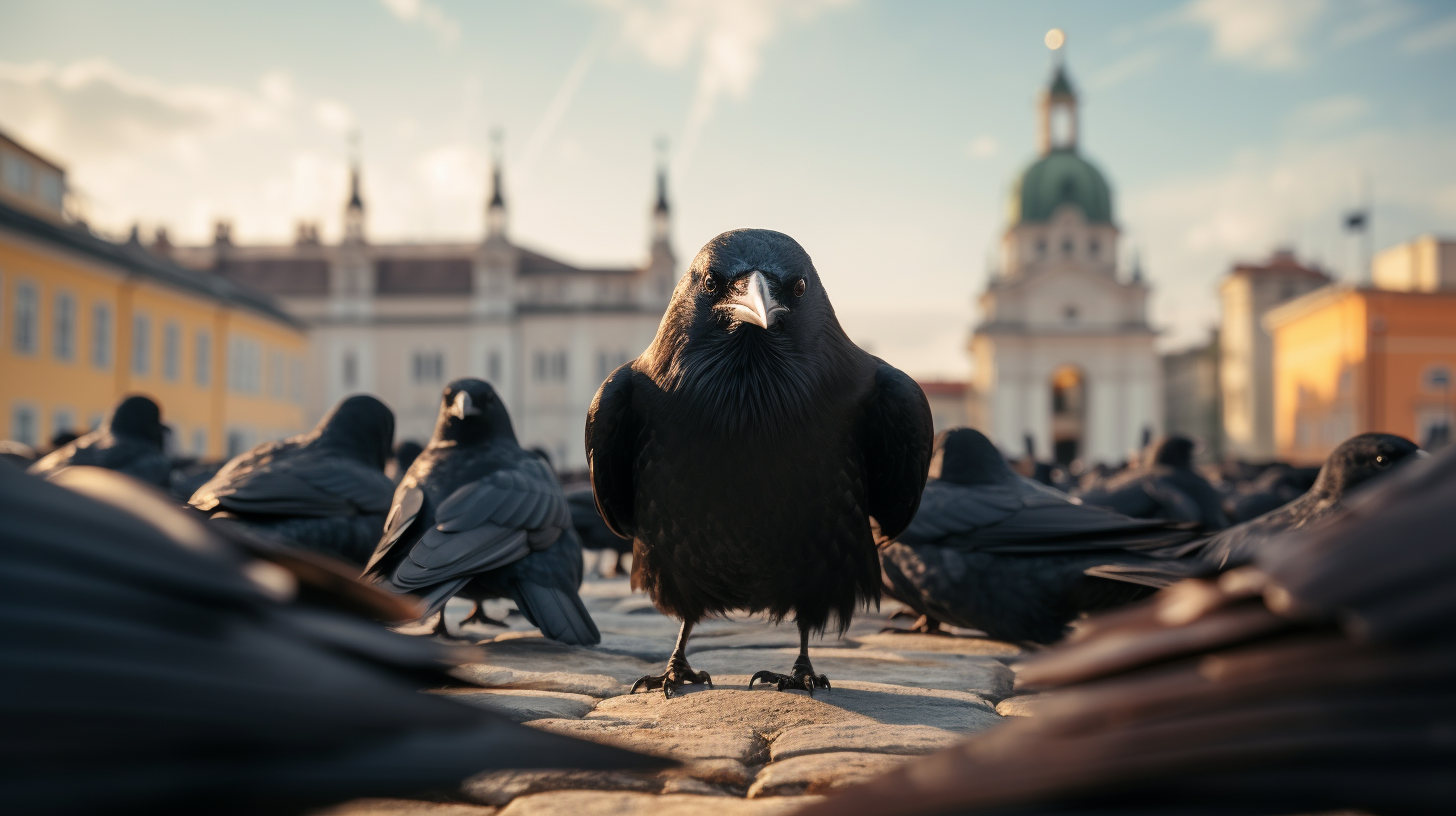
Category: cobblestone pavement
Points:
column 745, row 752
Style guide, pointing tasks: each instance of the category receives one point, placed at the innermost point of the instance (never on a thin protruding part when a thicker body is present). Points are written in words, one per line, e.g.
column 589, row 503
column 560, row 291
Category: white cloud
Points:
column 1260, row 33
column 333, row 115
column 1138, row 62
column 982, row 147
column 1439, row 35
column 1331, row 112
column 427, row 14
column 726, row 38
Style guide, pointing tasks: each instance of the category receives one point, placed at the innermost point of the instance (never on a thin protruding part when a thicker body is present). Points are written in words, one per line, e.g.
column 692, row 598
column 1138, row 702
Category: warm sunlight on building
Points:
column 1349, row 360
column 84, row 321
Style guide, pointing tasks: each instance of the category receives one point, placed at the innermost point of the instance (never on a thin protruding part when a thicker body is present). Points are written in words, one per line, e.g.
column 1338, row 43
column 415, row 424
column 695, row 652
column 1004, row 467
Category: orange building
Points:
column 1349, row 360
column 84, row 321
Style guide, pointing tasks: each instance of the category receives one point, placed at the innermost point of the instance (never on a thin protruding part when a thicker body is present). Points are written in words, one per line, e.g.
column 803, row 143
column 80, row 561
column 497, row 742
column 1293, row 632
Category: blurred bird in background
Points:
column 993, row 551
column 479, row 517
column 405, row 454
column 747, row 450
column 594, row 532
column 155, row 664
column 130, row 441
column 1323, row 678
column 1167, row 488
column 323, row 491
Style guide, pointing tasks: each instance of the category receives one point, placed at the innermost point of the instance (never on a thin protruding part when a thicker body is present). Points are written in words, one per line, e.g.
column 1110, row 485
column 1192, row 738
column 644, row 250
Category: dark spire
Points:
column 662, row 206
column 495, row 209
column 356, row 201
column 1061, row 87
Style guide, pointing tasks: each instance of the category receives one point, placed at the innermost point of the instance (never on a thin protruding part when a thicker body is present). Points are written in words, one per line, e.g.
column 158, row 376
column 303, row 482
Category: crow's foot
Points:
column 926, row 625
column 678, row 674
column 479, row 616
column 802, row 676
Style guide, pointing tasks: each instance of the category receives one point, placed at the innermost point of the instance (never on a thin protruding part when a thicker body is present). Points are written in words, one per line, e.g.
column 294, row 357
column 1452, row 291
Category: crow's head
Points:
column 964, row 456
column 139, row 418
column 1174, row 451
column 361, row 427
column 1360, row 459
column 470, row 410
column 752, row 283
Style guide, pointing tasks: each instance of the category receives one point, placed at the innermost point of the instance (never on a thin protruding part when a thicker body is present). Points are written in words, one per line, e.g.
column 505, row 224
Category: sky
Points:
column 883, row 135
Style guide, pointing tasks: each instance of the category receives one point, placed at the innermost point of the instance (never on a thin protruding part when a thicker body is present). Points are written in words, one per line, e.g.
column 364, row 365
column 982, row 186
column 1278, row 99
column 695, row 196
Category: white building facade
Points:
column 1064, row 365
column 401, row 320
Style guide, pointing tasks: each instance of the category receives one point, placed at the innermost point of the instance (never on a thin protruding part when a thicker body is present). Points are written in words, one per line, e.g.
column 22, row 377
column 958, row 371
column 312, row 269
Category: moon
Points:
column 1055, row 39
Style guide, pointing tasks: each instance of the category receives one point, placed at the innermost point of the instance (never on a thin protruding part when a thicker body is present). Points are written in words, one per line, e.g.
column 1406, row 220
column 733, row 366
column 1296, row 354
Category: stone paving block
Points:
column 537, row 654
column 522, row 705
column 730, row 705
column 1022, row 705
column 404, row 807
column 584, row 803
column 981, row 675
column 916, row 642
column 592, row 685
column 695, row 741
column 958, row 711
column 502, row 787
column 871, row 739
column 820, row 773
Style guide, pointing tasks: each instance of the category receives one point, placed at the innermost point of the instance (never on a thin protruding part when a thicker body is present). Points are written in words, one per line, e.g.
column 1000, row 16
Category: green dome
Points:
column 1061, row 177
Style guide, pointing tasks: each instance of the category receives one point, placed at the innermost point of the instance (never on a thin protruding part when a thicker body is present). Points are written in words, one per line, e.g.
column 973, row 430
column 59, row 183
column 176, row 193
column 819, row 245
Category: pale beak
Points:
column 757, row 304
column 463, row 406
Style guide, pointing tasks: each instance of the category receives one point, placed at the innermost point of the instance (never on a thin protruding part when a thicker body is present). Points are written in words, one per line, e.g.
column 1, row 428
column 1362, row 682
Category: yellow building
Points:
column 84, row 321
column 1349, row 360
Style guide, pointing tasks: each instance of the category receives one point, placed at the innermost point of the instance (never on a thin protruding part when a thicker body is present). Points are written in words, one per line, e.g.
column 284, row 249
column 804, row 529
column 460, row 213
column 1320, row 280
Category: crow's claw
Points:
column 926, row 625
column 802, row 676
column 678, row 674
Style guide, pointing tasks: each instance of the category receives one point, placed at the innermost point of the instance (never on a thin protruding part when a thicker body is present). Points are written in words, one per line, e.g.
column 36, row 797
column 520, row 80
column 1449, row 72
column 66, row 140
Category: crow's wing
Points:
column 307, row 483
column 952, row 511
column 485, row 525
column 151, row 667
column 611, row 450
column 896, row 439
column 408, row 501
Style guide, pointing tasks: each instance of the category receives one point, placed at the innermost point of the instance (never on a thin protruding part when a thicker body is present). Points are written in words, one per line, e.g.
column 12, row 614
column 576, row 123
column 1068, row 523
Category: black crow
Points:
column 405, row 454
column 1167, row 488
column 1321, row 679
column 130, row 441
column 16, row 453
column 747, row 450
column 1356, row 461
column 993, row 551
column 477, row 516
column 593, row 531
column 323, row 491
column 150, row 666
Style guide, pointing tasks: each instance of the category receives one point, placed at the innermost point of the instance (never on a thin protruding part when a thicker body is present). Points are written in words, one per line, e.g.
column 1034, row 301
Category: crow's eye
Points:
column 1382, row 460
column 710, row 284
column 800, row 286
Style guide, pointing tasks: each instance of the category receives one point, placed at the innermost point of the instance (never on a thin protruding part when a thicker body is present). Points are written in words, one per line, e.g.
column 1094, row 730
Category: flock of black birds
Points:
column 228, row 651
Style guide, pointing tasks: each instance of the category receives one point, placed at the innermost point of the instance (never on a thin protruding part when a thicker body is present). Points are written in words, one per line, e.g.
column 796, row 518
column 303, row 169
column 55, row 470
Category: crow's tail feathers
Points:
column 558, row 612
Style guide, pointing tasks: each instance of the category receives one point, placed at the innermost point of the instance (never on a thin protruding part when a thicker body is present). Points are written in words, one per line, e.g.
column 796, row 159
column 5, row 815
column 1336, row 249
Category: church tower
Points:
column 1064, row 364
column 662, row 263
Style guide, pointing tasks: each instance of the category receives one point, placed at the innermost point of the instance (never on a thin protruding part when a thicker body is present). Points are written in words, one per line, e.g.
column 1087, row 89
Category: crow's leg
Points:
column 925, row 625
column 440, row 627
column 612, row 560
column 479, row 616
column 801, row 676
column 678, row 673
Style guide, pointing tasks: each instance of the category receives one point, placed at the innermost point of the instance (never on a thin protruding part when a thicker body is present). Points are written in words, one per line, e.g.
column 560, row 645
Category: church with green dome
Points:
column 1064, row 366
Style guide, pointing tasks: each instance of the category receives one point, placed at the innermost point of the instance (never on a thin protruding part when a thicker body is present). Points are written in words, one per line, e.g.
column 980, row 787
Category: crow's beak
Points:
column 756, row 305
column 463, row 406
column 1421, row 454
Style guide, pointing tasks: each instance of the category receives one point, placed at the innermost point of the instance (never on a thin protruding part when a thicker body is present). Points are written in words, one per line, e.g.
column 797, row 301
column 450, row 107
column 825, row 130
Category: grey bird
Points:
column 1356, row 461
column 154, row 664
column 750, row 450
column 1019, row 561
column 479, row 517
column 130, row 441
column 323, row 491
column 1320, row 679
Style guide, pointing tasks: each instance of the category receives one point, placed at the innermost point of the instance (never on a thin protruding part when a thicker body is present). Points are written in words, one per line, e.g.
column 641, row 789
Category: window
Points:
column 1094, row 247
column 65, row 327
column 1067, row 247
column 541, row 366
column 23, row 425
column 245, row 366
column 172, row 351
column 52, row 189
column 558, row 366
column 202, row 365
column 550, row 366
column 1438, row 378
column 1041, row 247
column 26, row 318
column 493, row 366
column 609, row 361
column 199, row 442
column 101, row 335
column 141, row 345
column 1070, row 313
column 17, row 174
column 350, row 370
column 295, row 379
column 276, row 375
column 428, row 367
column 239, row 440
column 63, row 420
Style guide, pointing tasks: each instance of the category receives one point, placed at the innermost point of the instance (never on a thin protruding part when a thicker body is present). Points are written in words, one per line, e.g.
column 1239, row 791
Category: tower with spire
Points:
column 354, row 209
column 495, row 207
column 1063, row 356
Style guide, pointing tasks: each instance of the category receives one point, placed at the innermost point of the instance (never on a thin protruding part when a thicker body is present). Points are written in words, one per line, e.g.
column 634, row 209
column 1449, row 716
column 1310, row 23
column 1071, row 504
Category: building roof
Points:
column 1061, row 86
column 534, row 263
column 1060, row 177
column 1282, row 262
column 135, row 260
column 18, row 147
column 423, row 276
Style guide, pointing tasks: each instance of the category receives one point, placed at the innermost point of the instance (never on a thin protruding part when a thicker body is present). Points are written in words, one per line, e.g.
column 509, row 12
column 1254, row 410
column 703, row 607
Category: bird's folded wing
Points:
column 611, row 450
column 955, row 510
column 406, row 508
column 896, row 436
column 317, row 487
